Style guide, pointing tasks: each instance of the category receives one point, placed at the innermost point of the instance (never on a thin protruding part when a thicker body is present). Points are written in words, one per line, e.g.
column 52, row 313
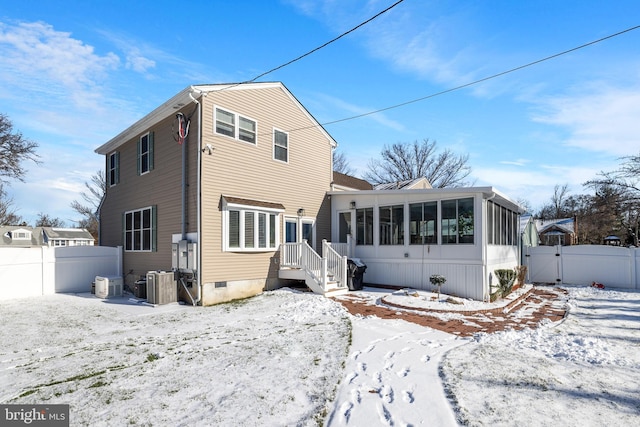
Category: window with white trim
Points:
column 250, row 229
column 457, row 223
column 145, row 154
column 139, row 229
column 280, row 146
column 235, row 126
column 114, row 168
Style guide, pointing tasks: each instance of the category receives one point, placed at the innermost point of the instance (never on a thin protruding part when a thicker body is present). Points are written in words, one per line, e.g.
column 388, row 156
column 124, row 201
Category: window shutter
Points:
column 154, row 228
column 150, row 151
column 138, row 158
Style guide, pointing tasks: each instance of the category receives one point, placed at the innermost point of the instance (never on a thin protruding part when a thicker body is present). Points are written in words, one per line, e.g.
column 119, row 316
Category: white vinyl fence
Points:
column 26, row 272
column 614, row 267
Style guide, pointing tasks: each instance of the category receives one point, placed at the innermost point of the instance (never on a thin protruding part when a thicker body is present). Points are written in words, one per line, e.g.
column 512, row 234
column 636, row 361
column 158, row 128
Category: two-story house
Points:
column 218, row 176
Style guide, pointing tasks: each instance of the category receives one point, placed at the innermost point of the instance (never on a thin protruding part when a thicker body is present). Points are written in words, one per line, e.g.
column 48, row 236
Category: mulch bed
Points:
column 527, row 312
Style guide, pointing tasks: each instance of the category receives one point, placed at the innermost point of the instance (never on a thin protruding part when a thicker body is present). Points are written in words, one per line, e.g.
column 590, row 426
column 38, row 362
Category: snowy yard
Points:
column 288, row 358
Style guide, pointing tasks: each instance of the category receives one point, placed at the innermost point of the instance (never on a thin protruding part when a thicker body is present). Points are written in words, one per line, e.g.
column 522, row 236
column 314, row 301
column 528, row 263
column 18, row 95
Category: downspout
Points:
column 198, row 197
column 487, row 291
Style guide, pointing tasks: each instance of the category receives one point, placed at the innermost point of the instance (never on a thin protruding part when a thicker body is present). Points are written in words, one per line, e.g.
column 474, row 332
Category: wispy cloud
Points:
column 35, row 52
column 600, row 118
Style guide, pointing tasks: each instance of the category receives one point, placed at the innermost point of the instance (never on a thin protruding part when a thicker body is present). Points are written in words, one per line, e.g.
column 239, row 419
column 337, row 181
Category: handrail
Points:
column 336, row 263
column 301, row 255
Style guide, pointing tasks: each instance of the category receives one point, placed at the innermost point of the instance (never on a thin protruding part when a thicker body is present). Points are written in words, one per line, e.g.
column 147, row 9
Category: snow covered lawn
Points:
column 290, row 359
column 270, row 360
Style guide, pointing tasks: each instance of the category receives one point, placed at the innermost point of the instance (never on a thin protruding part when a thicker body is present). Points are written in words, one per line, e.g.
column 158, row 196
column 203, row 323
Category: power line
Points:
column 433, row 95
column 317, row 48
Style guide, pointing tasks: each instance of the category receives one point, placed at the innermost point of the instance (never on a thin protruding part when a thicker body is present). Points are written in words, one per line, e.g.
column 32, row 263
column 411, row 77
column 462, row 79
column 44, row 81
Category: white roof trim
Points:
column 192, row 94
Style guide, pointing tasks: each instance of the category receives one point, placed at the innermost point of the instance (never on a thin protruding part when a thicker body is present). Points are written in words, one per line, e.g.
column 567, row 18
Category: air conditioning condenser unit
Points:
column 161, row 287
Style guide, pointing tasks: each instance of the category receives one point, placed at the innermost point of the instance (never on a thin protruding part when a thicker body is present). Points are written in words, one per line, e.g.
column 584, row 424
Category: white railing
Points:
column 319, row 268
column 340, row 248
column 336, row 261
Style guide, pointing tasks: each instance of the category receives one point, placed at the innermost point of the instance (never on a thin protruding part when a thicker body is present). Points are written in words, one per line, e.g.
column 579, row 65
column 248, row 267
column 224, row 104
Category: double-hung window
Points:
column 280, row 145
column 145, row 153
column 250, row 228
column 114, row 168
column 140, row 230
column 235, row 126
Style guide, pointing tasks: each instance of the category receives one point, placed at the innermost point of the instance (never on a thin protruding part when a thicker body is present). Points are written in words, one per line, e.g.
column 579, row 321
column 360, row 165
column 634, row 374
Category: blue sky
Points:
column 73, row 76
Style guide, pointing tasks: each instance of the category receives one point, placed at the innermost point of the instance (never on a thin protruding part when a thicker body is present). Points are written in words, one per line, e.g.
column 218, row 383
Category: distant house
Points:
column 21, row 236
column 553, row 232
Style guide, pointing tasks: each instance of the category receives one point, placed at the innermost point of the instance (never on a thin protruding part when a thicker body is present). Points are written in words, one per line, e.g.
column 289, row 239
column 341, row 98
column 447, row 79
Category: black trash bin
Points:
column 355, row 273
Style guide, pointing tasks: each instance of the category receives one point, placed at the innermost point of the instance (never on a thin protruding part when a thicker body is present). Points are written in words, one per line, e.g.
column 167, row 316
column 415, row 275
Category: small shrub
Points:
column 506, row 278
column 521, row 274
column 437, row 280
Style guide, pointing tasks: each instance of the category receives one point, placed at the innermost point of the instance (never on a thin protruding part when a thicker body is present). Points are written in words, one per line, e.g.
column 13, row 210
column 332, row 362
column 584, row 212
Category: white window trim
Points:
column 21, row 234
column 274, row 146
column 226, row 207
column 151, row 230
column 236, row 129
column 149, row 154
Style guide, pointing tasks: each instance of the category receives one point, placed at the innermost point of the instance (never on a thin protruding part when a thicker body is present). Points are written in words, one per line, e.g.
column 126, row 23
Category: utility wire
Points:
column 317, row 48
column 475, row 82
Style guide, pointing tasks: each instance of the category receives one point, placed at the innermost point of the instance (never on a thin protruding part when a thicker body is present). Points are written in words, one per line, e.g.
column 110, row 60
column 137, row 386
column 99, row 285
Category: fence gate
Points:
column 544, row 264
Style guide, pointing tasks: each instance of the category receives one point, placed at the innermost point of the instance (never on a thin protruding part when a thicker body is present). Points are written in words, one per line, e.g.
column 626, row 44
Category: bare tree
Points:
column 97, row 188
column 341, row 164
column 8, row 215
column 405, row 161
column 14, row 149
column 45, row 220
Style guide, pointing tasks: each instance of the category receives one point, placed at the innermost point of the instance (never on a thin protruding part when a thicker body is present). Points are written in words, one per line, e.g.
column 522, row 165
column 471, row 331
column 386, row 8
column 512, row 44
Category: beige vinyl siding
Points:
column 239, row 169
column 160, row 187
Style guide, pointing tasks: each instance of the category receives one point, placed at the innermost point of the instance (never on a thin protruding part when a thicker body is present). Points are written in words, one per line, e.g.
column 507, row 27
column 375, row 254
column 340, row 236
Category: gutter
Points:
column 198, row 199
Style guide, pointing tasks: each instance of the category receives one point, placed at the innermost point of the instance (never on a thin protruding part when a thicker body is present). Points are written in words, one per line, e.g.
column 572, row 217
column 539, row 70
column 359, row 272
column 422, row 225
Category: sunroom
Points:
column 405, row 236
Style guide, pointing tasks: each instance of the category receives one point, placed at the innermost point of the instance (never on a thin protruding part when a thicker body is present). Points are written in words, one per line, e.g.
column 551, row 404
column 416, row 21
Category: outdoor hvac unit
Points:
column 107, row 287
column 161, row 287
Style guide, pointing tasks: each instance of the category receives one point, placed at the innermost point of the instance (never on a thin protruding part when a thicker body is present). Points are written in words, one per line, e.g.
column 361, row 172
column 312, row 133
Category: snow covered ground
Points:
column 289, row 358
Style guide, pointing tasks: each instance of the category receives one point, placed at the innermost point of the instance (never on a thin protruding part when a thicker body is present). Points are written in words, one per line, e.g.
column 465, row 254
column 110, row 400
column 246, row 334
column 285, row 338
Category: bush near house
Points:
column 506, row 279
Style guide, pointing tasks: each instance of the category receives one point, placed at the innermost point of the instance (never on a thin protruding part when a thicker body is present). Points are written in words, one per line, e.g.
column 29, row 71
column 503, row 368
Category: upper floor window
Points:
column 140, row 230
column 391, row 225
column 234, row 125
column 145, row 153
column 280, row 145
column 457, row 221
column 423, row 223
column 114, row 168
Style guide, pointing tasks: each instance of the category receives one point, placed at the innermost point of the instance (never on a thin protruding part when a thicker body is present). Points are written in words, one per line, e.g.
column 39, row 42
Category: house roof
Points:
column 408, row 184
column 347, row 182
column 489, row 193
column 192, row 94
column 257, row 203
column 565, row 225
column 39, row 236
